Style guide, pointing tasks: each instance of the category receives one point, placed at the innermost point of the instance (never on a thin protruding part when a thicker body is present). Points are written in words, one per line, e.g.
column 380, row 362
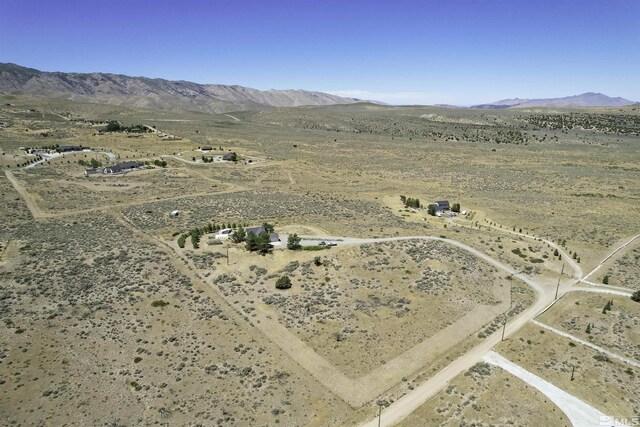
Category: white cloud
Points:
column 396, row 98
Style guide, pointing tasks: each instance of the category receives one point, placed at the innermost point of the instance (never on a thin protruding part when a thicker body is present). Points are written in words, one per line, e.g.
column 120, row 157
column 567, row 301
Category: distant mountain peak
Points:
column 587, row 99
column 118, row 89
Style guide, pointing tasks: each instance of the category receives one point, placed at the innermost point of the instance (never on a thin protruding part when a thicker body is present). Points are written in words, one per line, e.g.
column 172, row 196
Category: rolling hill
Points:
column 116, row 89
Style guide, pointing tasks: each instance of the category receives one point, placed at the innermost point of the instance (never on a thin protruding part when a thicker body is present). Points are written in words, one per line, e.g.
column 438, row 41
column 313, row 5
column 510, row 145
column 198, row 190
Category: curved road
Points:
column 404, row 406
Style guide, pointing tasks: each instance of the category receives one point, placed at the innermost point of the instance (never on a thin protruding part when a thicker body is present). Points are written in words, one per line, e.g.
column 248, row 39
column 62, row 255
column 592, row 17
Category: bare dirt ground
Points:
column 107, row 321
column 605, row 383
column 487, row 395
column 618, row 330
column 624, row 270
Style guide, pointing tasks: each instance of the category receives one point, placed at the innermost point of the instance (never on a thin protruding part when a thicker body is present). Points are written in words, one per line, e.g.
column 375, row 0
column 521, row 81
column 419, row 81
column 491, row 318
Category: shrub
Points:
column 283, row 283
column 159, row 303
column 605, row 279
column 314, row 248
column 636, row 296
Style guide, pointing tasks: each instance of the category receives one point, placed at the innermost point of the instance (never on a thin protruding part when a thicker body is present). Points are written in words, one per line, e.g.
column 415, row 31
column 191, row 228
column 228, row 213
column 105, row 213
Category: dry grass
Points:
column 83, row 296
column 605, row 383
column 486, row 395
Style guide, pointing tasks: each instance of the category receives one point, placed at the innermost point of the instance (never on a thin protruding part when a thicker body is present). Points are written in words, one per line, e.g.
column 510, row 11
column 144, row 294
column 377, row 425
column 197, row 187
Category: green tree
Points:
column 113, row 127
column 605, row 279
column 268, row 227
column 588, row 328
column 293, row 242
column 260, row 243
column 195, row 238
column 636, row 296
column 251, row 242
column 431, row 210
column 455, row 207
column 283, row 283
column 239, row 235
column 317, row 261
column 264, row 243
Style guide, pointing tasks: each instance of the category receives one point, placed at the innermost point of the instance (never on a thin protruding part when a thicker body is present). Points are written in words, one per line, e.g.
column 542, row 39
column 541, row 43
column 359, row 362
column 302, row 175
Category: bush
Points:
column 605, row 279
column 283, row 283
column 314, row 248
column 636, row 296
column 159, row 303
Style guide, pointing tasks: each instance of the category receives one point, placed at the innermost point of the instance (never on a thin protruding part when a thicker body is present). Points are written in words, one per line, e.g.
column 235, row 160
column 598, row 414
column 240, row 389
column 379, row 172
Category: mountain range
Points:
column 116, row 89
column 589, row 99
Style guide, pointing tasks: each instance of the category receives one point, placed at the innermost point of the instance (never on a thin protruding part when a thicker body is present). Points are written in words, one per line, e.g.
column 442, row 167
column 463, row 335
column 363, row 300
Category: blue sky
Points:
column 402, row 51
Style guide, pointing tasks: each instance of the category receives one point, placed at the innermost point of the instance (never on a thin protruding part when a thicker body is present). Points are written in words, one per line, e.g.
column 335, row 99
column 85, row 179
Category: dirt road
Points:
column 412, row 400
column 35, row 210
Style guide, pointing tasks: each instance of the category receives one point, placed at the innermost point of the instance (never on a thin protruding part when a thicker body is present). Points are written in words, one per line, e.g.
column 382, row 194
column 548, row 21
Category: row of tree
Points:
column 410, row 202
column 114, row 126
column 93, row 163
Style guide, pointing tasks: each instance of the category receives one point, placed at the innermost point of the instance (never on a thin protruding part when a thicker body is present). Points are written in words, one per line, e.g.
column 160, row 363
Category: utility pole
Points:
column 504, row 328
column 511, row 289
column 227, row 256
column 379, row 414
column 560, row 277
column 573, row 369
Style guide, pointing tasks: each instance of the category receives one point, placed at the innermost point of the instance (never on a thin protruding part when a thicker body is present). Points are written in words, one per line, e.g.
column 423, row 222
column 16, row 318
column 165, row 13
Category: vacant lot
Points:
column 603, row 382
column 581, row 315
column 625, row 270
column 363, row 306
column 487, row 395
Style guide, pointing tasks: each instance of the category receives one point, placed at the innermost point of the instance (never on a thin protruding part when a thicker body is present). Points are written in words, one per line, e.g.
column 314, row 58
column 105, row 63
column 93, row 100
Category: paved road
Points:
column 588, row 344
column 579, row 412
column 402, row 407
